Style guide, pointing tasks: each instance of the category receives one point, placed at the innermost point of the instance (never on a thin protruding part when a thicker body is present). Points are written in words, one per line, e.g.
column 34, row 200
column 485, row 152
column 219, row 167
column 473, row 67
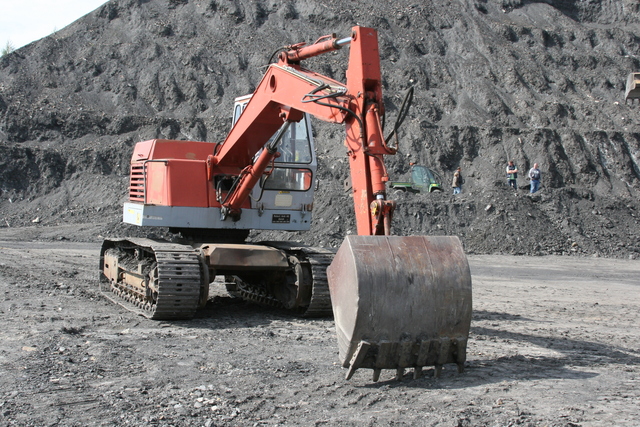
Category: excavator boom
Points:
column 287, row 91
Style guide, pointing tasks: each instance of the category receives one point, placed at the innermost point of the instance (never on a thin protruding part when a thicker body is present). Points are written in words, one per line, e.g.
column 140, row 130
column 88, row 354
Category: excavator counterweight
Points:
column 398, row 301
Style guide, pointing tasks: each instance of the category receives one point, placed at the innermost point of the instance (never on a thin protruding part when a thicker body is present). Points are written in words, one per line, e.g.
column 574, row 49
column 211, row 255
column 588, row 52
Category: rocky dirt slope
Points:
column 494, row 80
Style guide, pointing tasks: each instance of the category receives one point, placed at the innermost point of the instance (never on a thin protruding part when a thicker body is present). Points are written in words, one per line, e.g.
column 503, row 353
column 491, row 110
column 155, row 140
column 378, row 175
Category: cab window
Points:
column 287, row 179
column 295, row 147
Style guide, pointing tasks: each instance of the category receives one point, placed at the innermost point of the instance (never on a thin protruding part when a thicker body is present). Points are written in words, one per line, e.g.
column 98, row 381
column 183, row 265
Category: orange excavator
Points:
column 398, row 301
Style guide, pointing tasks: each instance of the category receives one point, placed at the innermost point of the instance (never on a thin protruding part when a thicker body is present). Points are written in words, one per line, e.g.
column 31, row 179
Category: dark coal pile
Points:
column 494, row 80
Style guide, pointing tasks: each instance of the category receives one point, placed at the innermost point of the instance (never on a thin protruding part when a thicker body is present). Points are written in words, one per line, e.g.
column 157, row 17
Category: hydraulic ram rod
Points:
column 297, row 53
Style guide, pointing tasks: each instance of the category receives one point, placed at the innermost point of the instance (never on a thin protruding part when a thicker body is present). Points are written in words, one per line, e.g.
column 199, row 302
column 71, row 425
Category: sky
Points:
column 24, row 21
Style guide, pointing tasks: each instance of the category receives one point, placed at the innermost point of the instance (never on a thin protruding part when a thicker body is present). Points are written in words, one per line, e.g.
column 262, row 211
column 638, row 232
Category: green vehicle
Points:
column 423, row 180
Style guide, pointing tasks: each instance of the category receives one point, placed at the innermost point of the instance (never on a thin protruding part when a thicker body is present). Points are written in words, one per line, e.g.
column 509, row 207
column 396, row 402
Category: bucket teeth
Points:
column 407, row 354
column 437, row 371
column 358, row 359
column 417, row 372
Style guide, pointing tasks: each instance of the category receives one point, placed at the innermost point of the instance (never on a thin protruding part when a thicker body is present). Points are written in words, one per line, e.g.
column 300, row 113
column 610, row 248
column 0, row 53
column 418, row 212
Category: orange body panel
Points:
column 178, row 183
column 156, row 187
column 160, row 149
column 175, row 174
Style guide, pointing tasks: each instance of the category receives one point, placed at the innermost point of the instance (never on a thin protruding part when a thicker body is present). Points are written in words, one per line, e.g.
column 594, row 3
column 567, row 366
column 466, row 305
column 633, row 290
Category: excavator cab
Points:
column 288, row 183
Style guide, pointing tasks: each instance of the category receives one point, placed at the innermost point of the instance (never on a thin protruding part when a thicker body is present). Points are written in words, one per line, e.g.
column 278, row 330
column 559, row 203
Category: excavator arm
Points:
column 286, row 91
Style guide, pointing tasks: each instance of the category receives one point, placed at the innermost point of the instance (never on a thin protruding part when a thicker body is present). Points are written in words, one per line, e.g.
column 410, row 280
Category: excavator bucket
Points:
column 401, row 302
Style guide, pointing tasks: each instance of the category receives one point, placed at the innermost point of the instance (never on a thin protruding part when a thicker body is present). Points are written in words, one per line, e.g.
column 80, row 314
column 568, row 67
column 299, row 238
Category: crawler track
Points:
column 320, row 305
column 165, row 281
column 171, row 277
column 314, row 262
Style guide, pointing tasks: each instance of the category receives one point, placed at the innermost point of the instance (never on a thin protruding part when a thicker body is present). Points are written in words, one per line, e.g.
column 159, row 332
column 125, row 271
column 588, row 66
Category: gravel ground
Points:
column 554, row 341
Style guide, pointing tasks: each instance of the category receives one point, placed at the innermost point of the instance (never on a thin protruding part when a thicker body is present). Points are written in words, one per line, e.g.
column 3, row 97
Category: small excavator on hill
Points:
column 398, row 301
column 632, row 88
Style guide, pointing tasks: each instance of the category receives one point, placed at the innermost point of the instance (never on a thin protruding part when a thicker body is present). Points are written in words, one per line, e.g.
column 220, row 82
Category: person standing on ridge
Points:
column 534, row 176
column 512, row 175
column 457, row 182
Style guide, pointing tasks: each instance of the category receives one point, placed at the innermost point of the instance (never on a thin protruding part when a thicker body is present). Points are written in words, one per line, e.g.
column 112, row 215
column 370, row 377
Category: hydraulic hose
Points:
column 402, row 114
